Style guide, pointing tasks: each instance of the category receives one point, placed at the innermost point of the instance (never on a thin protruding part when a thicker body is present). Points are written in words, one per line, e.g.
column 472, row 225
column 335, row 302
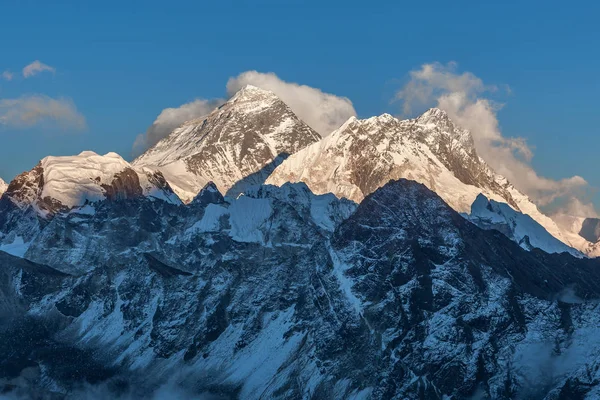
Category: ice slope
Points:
column 523, row 229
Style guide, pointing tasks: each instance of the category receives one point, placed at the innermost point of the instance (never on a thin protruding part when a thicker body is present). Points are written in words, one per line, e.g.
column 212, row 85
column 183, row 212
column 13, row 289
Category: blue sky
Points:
column 121, row 63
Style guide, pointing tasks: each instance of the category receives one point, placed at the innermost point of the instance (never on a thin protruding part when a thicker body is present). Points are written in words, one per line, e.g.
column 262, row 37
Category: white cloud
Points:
column 322, row 111
column 28, row 111
column 462, row 97
column 35, row 68
column 577, row 208
column 7, row 75
column 171, row 118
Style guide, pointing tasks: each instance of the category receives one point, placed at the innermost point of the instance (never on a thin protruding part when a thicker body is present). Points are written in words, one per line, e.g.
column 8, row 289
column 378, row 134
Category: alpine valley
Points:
column 246, row 257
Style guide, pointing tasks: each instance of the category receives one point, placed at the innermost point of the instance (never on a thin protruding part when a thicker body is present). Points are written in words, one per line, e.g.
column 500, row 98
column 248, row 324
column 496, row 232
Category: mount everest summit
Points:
column 244, row 256
column 236, row 146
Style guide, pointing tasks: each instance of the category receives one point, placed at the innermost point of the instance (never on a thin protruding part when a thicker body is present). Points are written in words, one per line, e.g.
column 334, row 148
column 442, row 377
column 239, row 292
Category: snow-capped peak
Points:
column 255, row 95
column 433, row 114
column 253, row 90
column 61, row 183
column 238, row 144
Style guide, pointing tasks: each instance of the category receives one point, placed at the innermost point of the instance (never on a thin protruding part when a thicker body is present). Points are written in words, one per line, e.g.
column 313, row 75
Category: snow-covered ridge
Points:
column 71, row 181
column 363, row 155
column 236, row 145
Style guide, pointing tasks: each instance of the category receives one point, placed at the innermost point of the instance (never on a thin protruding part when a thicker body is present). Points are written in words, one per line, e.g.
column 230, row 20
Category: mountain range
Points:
column 244, row 256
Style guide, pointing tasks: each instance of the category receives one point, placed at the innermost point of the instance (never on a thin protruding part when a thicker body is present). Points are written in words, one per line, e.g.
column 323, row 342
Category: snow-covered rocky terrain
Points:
column 384, row 261
column 237, row 145
column 255, row 297
column 59, row 185
column 489, row 214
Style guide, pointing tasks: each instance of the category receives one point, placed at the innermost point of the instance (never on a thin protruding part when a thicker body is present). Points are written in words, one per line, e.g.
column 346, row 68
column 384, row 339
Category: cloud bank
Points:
column 28, row 111
column 322, row 111
column 463, row 97
column 35, row 68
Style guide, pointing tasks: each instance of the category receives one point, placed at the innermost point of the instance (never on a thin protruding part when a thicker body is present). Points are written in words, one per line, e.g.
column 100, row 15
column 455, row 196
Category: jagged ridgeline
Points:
column 384, row 261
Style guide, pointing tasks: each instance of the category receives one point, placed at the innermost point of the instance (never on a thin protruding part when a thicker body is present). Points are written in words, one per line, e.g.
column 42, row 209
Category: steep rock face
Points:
column 208, row 194
column 455, row 148
column 237, row 145
column 252, row 298
column 363, row 155
column 459, row 309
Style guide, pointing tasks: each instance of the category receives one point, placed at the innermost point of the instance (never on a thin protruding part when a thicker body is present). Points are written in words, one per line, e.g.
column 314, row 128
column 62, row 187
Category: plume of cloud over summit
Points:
column 462, row 96
column 323, row 112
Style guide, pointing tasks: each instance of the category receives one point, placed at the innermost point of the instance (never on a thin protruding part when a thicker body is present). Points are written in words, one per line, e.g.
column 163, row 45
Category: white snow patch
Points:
column 17, row 248
column 210, row 221
column 339, row 269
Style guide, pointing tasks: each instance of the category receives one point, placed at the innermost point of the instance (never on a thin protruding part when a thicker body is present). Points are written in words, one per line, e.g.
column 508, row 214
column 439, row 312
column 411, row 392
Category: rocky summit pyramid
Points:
column 237, row 145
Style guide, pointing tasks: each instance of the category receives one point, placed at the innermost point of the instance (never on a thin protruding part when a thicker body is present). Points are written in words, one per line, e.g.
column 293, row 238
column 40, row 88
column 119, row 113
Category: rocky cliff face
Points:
column 237, row 145
column 284, row 294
